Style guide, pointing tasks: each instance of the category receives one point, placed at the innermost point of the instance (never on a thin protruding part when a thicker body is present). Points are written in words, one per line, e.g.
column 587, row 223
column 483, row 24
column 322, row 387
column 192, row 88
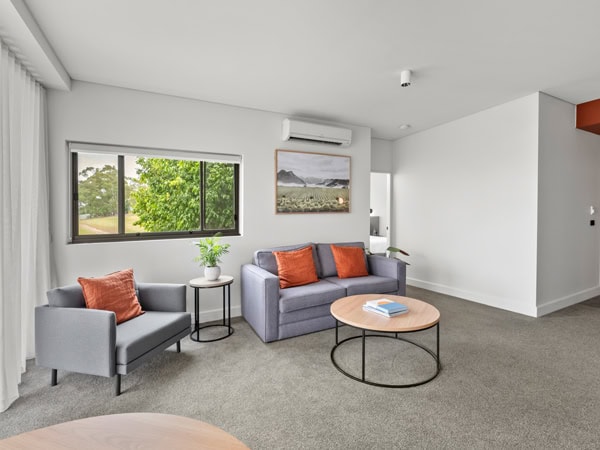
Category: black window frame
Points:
column 121, row 235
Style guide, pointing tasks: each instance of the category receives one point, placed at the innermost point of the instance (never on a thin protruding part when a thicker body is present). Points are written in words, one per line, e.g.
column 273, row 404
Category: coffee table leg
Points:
column 363, row 355
column 363, row 336
column 438, row 345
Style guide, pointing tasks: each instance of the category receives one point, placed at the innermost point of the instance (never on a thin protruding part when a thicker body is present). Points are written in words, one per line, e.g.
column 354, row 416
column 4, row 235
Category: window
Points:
column 128, row 193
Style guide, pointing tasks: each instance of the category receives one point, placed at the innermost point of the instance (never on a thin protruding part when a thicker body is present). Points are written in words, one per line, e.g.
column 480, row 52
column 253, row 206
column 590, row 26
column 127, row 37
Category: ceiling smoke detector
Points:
column 405, row 78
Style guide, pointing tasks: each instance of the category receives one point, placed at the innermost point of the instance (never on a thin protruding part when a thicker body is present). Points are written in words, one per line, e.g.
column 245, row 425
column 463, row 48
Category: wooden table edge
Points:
column 99, row 432
column 383, row 324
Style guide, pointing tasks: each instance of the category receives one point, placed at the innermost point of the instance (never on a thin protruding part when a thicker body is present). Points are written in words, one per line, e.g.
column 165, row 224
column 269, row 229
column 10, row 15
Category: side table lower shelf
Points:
column 224, row 281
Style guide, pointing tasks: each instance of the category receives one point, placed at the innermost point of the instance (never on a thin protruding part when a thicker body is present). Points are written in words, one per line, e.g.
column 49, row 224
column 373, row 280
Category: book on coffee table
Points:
column 383, row 313
column 386, row 306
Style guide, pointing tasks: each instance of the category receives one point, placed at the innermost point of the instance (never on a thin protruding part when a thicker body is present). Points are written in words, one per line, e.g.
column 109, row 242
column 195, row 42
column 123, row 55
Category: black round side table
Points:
column 224, row 281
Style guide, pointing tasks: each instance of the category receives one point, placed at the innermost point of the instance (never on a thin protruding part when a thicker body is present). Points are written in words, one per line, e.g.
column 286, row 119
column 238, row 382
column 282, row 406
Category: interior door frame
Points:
column 388, row 205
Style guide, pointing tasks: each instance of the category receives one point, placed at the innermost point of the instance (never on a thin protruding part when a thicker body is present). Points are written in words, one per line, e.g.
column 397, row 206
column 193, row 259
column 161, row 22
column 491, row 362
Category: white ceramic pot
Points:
column 212, row 273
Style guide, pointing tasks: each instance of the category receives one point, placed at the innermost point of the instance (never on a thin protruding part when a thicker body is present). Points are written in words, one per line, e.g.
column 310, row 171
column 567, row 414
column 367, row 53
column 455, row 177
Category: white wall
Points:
column 568, row 247
column 102, row 114
column 381, row 155
column 465, row 205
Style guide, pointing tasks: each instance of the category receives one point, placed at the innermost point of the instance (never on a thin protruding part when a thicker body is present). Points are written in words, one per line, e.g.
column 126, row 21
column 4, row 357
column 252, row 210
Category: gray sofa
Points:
column 276, row 313
column 68, row 336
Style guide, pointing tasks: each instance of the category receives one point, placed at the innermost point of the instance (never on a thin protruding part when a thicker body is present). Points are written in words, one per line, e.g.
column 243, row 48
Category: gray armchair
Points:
column 68, row 336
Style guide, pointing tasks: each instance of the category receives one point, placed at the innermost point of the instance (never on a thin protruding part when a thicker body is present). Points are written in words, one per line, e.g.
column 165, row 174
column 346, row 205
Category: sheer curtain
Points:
column 24, row 221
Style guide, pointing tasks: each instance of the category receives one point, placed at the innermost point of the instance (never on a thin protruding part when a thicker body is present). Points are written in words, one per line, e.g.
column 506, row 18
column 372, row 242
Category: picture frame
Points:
column 307, row 182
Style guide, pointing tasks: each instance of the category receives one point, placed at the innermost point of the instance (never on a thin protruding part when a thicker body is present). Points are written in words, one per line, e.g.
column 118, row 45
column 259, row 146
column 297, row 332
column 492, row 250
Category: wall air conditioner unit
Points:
column 315, row 132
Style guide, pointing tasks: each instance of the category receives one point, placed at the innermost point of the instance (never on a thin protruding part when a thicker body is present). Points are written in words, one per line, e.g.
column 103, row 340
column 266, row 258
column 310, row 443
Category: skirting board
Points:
column 560, row 303
column 496, row 302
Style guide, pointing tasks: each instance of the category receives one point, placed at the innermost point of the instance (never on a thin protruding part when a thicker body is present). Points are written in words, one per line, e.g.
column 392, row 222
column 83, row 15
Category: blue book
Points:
column 381, row 313
column 387, row 306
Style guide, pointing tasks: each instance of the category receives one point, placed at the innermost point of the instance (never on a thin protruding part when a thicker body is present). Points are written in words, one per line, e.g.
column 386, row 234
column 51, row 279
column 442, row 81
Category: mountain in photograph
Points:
column 287, row 177
column 313, row 181
column 334, row 183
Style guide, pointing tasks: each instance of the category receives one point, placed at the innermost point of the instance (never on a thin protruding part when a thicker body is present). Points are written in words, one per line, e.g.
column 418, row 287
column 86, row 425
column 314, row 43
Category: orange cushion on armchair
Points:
column 114, row 292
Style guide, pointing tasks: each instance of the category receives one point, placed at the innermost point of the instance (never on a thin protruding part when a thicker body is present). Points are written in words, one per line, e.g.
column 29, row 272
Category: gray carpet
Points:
column 508, row 381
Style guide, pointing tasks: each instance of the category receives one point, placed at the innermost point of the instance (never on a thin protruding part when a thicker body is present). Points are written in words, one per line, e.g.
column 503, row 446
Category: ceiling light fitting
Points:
column 405, row 78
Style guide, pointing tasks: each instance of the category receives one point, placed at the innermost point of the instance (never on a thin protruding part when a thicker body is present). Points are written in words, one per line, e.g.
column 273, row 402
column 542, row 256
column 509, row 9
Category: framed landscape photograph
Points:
column 311, row 182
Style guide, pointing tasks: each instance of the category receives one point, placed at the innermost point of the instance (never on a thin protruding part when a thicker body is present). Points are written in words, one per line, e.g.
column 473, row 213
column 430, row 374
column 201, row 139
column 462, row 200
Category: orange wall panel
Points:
column 588, row 116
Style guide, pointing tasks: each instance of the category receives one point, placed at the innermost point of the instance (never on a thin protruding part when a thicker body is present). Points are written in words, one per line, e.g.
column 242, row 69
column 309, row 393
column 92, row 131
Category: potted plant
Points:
column 210, row 255
column 392, row 250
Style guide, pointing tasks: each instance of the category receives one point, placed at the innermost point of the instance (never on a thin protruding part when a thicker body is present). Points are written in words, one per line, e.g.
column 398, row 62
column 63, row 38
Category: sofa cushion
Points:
column 309, row 295
column 326, row 266
column 366, row 285
column 349, row 261
column 296, row 267
column 287, row 330
column 141, row 334
column 301, row 315
column 265, row 259
column 114, row 292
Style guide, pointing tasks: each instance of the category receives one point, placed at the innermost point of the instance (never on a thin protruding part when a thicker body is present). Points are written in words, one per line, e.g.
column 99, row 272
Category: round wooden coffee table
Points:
column 421, row 316
column 131, row 430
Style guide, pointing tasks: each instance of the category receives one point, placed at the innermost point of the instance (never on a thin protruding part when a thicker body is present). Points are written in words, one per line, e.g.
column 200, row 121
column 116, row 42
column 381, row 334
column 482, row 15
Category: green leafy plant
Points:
column 396, row 250
column 168, row 195
column 211, row 251
column 393, row 250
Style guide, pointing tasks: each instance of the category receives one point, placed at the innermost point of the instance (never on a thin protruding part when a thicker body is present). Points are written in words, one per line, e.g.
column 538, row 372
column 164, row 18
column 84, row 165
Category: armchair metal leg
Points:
column 53, row 381
column 117, row 385
column 178, row 346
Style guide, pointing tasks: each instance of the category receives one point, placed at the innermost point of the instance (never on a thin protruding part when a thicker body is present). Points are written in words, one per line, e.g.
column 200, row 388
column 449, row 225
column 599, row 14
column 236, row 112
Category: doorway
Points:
column 380, row 216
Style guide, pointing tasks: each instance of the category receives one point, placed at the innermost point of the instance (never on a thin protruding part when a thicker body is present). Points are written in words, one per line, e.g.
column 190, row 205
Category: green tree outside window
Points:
column 161, row 195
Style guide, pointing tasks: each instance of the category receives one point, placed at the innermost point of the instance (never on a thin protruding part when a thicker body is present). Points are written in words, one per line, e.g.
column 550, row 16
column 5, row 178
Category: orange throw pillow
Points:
column 114, row 292
column 349, row 261
column 296, row 267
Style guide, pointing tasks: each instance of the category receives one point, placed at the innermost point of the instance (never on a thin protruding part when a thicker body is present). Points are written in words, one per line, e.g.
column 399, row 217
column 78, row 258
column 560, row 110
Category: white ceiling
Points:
column 334, row 60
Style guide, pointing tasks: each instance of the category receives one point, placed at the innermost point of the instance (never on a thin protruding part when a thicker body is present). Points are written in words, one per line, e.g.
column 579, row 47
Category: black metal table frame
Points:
column 197, row 326
column 364, row 335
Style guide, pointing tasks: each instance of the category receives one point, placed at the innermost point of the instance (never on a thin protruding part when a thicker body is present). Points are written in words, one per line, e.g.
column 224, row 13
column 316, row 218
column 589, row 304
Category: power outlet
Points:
column 592, row 223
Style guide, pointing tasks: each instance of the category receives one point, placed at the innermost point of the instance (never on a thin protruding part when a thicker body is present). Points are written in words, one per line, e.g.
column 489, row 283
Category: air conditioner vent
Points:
column 319, row 141
column 316, row 132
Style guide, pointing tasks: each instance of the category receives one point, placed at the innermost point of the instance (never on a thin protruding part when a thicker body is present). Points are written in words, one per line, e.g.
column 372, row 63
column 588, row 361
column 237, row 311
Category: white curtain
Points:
column 24, row 228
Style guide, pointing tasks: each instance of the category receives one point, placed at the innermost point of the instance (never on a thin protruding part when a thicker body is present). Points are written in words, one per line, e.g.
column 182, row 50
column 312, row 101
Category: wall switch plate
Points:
column 592, row 223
